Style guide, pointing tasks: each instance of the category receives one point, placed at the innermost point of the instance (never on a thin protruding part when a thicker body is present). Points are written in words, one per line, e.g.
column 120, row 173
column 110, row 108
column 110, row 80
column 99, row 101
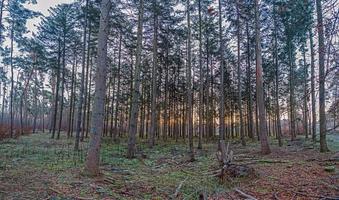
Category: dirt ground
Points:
column 36, row 167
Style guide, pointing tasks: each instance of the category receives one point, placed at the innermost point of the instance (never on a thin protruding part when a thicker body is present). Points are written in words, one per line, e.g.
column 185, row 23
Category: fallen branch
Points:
column 109, row 180
column 178, row 188
column 315, row 196
column 83, row 198
column 311, row 195
column 272, row 161
column 247, row 196
column 55, row 190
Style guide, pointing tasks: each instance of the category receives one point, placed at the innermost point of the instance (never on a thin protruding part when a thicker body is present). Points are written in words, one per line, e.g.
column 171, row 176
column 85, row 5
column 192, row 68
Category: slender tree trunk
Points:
column 3, row 102
column 314, row 114
column 84, row 127
column 12, row 81
column 276, row 60
column 322, row 76
column 136, row 87
column 118, row 93
column 56, row 99
column 112, row 105
column 201, row 92
column 70, row 117
column 1, row 16
column 305, row 107
column 242, row 135
column 189, row 85
column 167, row 115
column 92, row 159
column 265, row 148
column 151, row 139
column 222, row 74
column 249, row 81
column 35, row 103
column 201, row 87
column 89, row 99
column 82, row 84
column 291, row 87
column 62, row 84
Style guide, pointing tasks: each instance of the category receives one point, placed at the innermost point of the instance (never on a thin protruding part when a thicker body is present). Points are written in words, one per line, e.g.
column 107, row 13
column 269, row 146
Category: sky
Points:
column 42, row 6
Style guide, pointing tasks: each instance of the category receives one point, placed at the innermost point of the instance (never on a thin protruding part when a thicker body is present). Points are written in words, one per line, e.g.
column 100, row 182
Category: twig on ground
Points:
column 178, row 188
column 243, row 194
column 276, row 196
column 83, row 198
column 55, row 190
column 315, row 196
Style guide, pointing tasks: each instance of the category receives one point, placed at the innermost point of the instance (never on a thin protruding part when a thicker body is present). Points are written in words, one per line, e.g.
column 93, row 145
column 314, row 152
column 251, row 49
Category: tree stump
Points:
column 228, row 168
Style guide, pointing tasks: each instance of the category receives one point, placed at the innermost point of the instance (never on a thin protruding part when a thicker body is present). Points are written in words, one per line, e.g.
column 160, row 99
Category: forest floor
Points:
column 37, row 167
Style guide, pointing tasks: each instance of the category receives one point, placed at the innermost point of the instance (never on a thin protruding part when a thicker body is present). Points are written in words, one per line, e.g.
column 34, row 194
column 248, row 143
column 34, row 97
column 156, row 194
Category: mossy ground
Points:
column 37, row 167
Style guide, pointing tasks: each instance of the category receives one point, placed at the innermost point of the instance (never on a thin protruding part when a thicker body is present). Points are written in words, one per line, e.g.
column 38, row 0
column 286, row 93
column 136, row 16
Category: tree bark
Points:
column 82, row 84
column 249, row 95
column 242, row 134
column 222, row 74
column 151, row 139
column 201, row 92
column 117, row 103
column 189, row 85
column 92, row 159
column 265, row 148
column 314, row 114
column 322, row 76
column 136, row 87
column 276, row 59
column 62, row 84
column 1, row 16
column 12, row 81
column 305, row 107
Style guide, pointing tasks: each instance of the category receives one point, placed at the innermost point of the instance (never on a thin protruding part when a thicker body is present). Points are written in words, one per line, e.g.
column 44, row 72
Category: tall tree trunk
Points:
column 189, row 85
column 56, row 99
column 112, row 104
column 314, row 114
column 167, row 114
column 222, row 74
column 249, row 81
column 12, row 81
column 201, row 92
column 3, row 102
column 84, row 127
column 322, row 76
column 62, row 84
column 136, row 87
column 276, row 60
column 242, row 136
column 70, row 117
column 291, row 87
column 265, row 148
column 92, row 159
column 89, row 98
column 116, row 131
column 35, row 102
column 305, row 107
column 1, row 16
column 151, row 139
column 82, row 84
